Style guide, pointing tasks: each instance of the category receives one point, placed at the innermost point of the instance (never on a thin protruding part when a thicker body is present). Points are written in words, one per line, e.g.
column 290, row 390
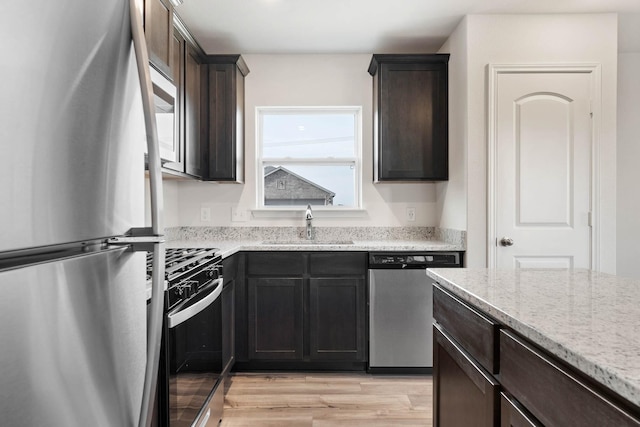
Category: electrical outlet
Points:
column 411, row 214
column 205, row 214
column 239, row 215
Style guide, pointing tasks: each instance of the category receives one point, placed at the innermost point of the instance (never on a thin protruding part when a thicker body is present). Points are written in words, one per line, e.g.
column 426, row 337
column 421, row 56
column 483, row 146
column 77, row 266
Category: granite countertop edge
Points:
column 230, row 247
column 610, row 377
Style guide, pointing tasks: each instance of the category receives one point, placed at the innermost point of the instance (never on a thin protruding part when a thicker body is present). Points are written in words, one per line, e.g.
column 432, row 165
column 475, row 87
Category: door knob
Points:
column 505, row 241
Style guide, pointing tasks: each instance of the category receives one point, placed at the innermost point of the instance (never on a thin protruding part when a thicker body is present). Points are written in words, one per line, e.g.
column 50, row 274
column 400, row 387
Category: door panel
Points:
column 399, row 302
column 275, row 318
column 543, row 169
column 545, row 149
column 336, row 318
column 74, row 341
column 74, row 153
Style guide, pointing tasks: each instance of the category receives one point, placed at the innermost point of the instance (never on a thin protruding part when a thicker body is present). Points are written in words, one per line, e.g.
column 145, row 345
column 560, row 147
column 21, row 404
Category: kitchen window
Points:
column 309, row 156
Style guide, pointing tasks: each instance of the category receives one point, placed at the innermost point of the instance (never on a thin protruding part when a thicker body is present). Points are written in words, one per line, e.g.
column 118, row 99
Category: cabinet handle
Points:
column 155, row 179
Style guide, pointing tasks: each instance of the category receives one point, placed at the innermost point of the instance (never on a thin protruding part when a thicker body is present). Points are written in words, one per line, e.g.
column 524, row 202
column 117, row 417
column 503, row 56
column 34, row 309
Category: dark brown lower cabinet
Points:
column 336, row 318
column 536, row 388
column 304, row 310
column 228, row 326
column 553, row 393
column 512, row 414
column 275, row 318
column 465, row 394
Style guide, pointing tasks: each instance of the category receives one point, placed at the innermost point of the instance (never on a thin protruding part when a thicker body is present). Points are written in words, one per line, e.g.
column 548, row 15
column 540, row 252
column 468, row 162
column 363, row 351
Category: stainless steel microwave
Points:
column 164, row 96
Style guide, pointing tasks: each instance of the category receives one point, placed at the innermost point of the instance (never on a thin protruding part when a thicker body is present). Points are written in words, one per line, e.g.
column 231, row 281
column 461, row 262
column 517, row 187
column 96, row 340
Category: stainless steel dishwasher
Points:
column 401, row 309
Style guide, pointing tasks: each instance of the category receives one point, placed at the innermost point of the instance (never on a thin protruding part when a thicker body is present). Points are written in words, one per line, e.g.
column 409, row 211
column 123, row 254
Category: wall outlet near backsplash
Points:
column 205, row 214
column 240, row 215
column 411, row 214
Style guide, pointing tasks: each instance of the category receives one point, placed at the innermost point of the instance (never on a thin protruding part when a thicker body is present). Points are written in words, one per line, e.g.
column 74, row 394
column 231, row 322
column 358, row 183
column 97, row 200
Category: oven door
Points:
column 194, row 345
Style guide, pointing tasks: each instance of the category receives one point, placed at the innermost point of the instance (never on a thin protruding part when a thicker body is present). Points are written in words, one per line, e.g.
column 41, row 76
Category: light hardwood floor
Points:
column 328, row 399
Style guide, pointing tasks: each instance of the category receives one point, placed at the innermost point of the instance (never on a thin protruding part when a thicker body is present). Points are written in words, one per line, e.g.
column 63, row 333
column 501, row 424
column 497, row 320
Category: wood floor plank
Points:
column 325, row 400
column 298, row 388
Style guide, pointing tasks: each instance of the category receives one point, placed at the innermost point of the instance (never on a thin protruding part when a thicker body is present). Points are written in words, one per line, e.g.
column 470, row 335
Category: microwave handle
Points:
column 154, row 329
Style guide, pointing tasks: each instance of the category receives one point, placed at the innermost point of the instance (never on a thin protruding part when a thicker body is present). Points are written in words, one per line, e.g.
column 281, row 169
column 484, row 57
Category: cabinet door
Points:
column 412, row 131
column 222, row 131
column 464, row 393
column 224, row 147
column 337, row 318
column 275, row 318
column 158, row 29
column 193, row 156
column 512, row 414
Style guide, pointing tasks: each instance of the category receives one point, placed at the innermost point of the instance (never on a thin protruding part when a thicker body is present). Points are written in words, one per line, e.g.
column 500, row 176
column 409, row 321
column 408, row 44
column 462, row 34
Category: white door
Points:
column 541, row 141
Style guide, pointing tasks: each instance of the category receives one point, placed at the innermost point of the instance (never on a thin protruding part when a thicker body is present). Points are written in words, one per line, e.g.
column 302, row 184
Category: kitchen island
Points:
column 584, row 322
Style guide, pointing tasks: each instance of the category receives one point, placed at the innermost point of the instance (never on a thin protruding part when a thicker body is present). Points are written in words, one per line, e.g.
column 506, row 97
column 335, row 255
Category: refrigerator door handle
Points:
column 154, row 328
column 153, row 148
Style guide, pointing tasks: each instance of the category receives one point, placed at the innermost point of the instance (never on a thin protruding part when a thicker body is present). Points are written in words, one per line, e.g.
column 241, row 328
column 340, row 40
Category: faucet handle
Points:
column 309, row 213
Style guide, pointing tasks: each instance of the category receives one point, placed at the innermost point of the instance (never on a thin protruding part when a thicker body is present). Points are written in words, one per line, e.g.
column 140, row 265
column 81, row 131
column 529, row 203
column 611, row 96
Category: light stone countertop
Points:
column 590, row 320
column 229, row 247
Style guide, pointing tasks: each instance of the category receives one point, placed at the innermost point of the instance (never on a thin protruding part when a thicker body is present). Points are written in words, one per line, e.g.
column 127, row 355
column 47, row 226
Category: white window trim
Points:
column 263, row 211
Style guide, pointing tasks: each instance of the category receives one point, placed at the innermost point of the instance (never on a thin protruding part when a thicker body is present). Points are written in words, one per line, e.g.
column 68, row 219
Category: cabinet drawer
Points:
column 465, row 393
column 341, row 263
column 475, row 332
column 275, row 263
column 552, row 393
column 512, row 414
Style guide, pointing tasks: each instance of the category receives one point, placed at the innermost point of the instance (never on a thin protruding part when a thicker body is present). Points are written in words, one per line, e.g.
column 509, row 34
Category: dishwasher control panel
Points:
column 414, row 260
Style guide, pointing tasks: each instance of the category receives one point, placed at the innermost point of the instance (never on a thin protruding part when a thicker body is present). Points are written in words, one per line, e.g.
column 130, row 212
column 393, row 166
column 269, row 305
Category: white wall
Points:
column 170, row 199
column 451, row 195
column 628, row 208
column 309, row 80
column 530, row 39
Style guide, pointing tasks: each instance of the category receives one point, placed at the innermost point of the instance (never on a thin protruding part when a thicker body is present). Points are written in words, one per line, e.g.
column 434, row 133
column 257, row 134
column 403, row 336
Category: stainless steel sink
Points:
column 307, row 242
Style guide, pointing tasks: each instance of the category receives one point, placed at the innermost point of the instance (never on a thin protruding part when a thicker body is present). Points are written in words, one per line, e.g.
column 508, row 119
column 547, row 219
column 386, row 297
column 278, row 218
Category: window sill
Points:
column 317, row 213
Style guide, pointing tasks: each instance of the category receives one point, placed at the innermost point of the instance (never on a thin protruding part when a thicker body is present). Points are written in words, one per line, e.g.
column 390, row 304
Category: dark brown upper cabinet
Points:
column 193, row 111
column 223, row 151
column 410, row 97
column 158, row 30
column 187, row 77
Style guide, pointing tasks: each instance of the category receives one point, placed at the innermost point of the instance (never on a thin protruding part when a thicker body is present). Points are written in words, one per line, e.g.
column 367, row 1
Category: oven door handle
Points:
column 174, row 319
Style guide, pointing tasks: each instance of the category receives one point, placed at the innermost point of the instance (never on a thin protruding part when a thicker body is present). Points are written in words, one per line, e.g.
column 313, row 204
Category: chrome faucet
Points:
column 308, row 216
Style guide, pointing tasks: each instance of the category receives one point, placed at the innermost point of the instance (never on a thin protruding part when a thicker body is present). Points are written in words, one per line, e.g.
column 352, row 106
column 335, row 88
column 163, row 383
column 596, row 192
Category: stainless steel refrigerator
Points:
column 75, row 345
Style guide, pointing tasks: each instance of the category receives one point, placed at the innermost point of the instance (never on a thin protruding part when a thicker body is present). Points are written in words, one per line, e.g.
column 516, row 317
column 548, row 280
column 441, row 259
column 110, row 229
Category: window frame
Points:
column 355, row 160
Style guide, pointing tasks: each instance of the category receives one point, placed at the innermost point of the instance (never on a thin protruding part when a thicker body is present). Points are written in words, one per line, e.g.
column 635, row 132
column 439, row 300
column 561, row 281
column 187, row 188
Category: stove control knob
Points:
column 213, row 273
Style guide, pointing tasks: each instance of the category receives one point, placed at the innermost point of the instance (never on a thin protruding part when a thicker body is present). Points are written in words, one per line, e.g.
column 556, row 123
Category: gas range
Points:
column 187, row 270
column 191, row 351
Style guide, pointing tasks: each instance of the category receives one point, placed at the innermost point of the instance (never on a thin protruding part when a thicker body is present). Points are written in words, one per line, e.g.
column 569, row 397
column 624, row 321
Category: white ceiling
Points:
column 366, row 26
